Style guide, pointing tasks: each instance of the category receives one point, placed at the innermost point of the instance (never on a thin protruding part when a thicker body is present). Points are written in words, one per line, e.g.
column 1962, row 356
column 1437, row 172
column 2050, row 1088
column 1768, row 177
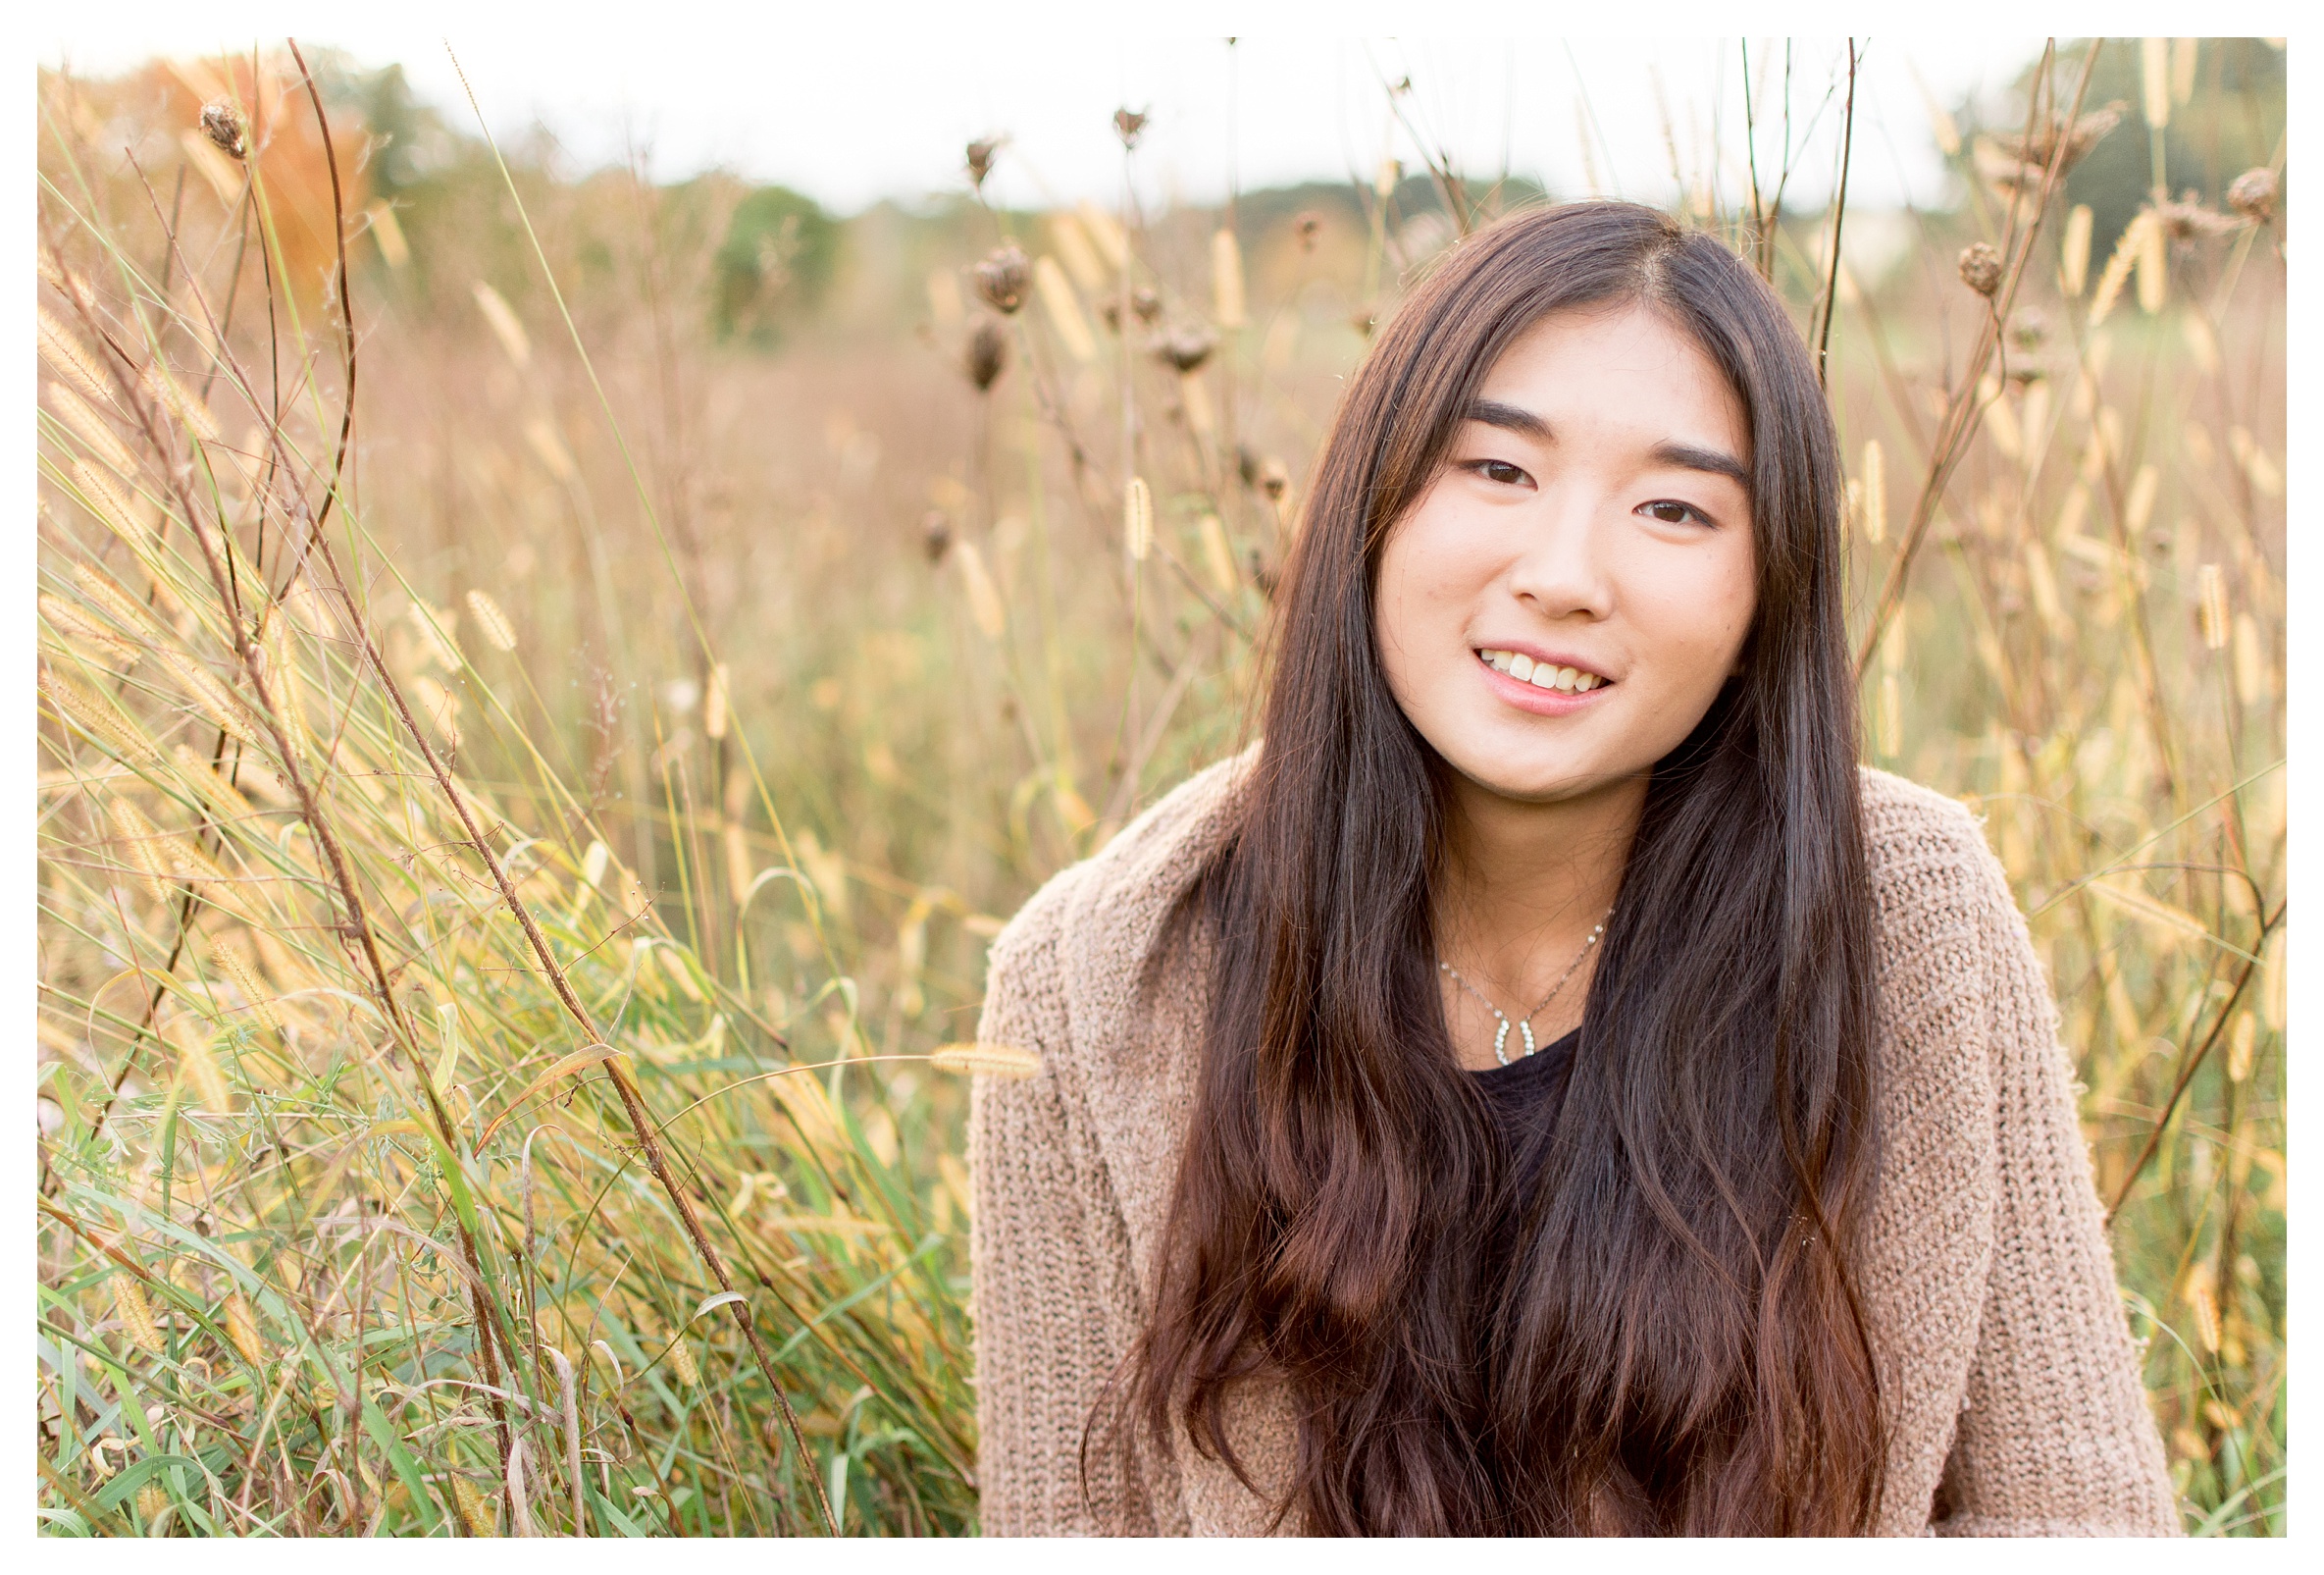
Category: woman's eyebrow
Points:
column 1510, row 418
column 1687, row 456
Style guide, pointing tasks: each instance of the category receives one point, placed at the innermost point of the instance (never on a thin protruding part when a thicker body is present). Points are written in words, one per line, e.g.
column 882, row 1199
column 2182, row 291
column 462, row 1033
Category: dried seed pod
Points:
column 936, row 535
column 1185, row 348
column 988, row 353
column 1146, row 303
column 981, row 154
column 1981, row 267
column 1275, row 479
column 222, row 124
column 1003, row 279
column 2188, row 220
column 2253, row 195
column 1128, row 125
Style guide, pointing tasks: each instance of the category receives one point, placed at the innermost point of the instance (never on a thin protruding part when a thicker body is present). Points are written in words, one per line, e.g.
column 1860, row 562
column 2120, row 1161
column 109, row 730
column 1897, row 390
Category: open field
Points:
column 507, row 858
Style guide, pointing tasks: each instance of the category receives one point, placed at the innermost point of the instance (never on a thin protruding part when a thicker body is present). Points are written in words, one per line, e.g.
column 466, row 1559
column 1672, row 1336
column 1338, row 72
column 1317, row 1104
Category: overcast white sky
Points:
column 883, row 108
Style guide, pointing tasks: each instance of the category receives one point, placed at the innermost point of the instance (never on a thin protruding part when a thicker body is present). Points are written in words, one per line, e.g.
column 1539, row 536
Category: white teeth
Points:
column 1541, row 675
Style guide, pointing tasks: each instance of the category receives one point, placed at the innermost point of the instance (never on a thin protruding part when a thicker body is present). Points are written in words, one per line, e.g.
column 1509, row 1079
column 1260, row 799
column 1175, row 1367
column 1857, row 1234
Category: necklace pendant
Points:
column 1500, row 1039
column 1527, row 1029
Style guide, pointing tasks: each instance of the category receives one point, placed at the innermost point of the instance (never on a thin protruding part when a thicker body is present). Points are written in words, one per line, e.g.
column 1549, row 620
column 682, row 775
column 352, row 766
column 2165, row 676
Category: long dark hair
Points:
column 1675, row 1341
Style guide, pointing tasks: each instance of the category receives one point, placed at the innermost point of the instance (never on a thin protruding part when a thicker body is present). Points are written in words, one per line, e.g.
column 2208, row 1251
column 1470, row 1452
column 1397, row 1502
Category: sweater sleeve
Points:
column 2054, row 1438
column 1049, row 1258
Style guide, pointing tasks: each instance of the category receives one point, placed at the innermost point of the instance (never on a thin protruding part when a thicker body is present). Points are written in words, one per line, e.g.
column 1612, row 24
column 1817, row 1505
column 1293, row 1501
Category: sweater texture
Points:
column 2007, row 1363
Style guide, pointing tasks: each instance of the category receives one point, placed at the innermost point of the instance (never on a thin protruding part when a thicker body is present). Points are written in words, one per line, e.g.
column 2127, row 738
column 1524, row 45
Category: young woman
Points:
column 1546, row 1086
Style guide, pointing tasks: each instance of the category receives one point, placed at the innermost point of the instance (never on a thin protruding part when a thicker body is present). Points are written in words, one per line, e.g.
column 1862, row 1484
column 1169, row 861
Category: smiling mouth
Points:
column 1542, row 675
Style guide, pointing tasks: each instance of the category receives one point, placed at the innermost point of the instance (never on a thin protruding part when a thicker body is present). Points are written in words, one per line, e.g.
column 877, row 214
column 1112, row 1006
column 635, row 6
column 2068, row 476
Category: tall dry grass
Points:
column 503, row 876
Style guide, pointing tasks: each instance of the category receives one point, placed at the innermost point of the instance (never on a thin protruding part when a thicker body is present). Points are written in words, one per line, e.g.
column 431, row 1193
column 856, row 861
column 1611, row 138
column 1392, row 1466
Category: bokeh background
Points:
column 516, row 861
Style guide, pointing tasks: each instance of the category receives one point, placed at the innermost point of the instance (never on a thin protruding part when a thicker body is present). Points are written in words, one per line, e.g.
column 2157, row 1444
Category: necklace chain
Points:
column 1525, row 1025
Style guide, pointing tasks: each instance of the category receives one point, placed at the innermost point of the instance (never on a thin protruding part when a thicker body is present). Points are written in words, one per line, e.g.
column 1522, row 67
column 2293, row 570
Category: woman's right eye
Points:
column 1500, row 471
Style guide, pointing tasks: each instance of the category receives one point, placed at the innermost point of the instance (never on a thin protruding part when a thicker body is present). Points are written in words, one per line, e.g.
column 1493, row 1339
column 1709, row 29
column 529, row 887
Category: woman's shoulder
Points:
column 1104, row 902
column 1928, row 859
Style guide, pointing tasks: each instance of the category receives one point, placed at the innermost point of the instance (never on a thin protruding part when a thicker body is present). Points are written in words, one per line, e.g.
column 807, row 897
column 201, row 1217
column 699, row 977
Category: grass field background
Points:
column 513, row 860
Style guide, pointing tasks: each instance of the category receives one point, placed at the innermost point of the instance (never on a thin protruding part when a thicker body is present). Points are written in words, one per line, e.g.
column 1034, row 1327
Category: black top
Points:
column 1524, row 1099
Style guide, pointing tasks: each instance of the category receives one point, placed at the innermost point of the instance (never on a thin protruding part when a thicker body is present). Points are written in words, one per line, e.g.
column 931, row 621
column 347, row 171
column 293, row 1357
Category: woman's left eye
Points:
column 1672, row 513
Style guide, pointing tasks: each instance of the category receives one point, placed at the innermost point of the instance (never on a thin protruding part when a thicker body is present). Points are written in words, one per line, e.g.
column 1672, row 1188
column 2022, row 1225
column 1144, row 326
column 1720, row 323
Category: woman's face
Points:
column 1560, row 609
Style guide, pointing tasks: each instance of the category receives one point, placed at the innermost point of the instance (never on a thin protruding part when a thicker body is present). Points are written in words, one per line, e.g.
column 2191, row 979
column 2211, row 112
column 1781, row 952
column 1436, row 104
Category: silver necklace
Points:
column 1525, row 1025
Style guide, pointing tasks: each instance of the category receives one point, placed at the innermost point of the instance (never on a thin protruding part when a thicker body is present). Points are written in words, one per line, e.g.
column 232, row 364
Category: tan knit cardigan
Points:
column 2005, row 1359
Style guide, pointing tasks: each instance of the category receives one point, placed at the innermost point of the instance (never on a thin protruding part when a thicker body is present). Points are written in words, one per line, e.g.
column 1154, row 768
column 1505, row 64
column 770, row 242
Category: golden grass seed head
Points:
column 1217, row 557
column 2153, row 263
column 1064, row 310
column 498, row 632
column 433, row 625
column 66, row 356
column 981, row 1059
column 1875, row 476
column 152, row 1504
column 988, row 353
column 75, row 632
column 682, row 1362
column 2154, row 81
column 2210, row 607
column 2074, row 251
column 173, row 396
column 479, row 1510
column 502, row 320
column 77, row 704
column 136, row 1313
column 2117, row 272
column 140, row 845
column 213, row 697
column 1137, row 518
column 984, row 598
column 2255, row 684
column 715, row 702
column 118, row 604
column 1228, row 303
column 241, row 1327
column 239, row 967
column 2239, row 1047
column 92, row 429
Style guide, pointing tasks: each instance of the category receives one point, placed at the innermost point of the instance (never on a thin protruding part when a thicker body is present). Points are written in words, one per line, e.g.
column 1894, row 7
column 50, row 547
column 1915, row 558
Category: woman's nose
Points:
column 1564, row 569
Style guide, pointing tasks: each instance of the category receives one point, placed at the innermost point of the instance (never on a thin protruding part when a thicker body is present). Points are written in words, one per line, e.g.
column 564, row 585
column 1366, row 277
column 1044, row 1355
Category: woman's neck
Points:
column 1519, row 890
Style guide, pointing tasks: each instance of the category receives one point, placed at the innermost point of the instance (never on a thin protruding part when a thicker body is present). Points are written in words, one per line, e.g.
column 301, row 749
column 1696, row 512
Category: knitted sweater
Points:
column 2005, row 1360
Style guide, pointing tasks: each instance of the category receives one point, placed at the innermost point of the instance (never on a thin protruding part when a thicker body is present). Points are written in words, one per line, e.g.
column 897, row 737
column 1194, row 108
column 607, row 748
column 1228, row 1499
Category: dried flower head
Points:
column 2188, row 220
column 2077, row 139
column 222, row 124
column 936, row 535
column 988, row 353
column 1128, row 123
column 2028, row 330
column 1275, row 479
column 1185, row 348
column 1307, row 225
column 1981, row 267
column 1003, row 279
column 2253, row 195
column 1146, row 303
column 981, row 154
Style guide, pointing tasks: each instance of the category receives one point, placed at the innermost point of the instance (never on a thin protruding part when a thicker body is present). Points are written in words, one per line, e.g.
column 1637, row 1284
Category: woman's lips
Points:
column 1527, row 695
